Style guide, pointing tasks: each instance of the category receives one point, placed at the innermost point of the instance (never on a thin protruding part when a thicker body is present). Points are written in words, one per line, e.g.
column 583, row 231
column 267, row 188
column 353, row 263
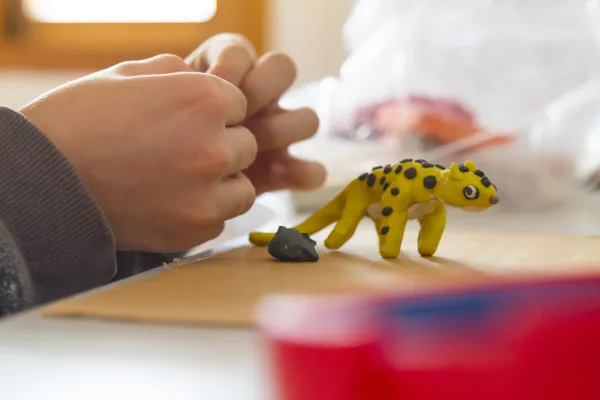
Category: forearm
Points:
column 60, row 231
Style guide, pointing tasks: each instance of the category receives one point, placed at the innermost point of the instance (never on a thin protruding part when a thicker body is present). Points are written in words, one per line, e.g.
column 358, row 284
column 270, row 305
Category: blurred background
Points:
column 44, row 43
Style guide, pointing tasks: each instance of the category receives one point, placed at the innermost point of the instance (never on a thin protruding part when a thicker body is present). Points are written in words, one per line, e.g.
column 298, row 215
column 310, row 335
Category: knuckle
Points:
column 233, row 37
column 216, row 160
column 247, row 195
column 238, row 51
column 214, row 96
column 250, row 148
column 214, row 230
column 171, row 62
column 125, row 67
column 203, row 162
column 202, row 215
column 214, row 100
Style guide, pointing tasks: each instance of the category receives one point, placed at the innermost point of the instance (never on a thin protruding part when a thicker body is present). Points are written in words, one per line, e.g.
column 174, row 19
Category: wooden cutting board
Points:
column 225, row 288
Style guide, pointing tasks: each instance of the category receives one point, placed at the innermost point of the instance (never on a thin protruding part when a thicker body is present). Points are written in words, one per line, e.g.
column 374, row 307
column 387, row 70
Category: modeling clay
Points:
column 291, row 245
column 393, row 194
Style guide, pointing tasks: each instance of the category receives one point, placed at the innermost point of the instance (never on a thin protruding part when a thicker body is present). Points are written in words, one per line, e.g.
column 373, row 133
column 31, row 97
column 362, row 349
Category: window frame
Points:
column 99, row 45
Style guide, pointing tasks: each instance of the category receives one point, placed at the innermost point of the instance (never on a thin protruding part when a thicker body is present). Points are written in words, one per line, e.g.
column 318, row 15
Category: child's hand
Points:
column 160, row 147
column 263, row 82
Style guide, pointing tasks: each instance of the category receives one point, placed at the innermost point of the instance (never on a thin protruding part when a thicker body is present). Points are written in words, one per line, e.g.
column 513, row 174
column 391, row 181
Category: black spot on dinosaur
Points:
column 427, row 165
column 395, row 191
column 398, row 169
column 371, row 180
column 377, row 167
column 387, row 169
column 440, row 166
column 485, row 182
column 386, row 211
column 410, row 173
column 479, row 173
column 384, row 230
column 420, row 161
column 463, row 168
column 429, row 182
column 406, row 160
column 362, row 177
column 386, row 186
column 382, row 180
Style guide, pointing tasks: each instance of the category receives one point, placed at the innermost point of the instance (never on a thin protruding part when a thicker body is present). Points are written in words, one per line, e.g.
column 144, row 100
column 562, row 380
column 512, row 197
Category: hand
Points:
column 160, row 147
column 263, row 81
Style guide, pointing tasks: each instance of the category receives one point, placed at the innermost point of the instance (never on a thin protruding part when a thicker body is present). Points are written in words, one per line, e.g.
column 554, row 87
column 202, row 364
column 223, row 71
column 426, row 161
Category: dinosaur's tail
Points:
column 322, row 218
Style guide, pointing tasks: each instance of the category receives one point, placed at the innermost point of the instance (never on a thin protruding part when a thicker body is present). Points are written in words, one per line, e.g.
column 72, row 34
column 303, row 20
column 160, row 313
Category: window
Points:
column 99, row 33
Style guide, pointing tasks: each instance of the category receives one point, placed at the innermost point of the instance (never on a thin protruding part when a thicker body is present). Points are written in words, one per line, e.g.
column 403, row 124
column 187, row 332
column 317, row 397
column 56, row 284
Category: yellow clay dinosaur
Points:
column 392, row 195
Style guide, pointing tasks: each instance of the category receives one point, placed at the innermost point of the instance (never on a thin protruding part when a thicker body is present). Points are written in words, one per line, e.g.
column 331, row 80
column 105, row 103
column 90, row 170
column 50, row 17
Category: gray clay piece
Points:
column 292, row 246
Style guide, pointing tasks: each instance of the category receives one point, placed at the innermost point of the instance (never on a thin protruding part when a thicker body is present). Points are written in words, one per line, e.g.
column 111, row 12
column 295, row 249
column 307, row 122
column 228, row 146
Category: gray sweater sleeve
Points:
column 54, row 239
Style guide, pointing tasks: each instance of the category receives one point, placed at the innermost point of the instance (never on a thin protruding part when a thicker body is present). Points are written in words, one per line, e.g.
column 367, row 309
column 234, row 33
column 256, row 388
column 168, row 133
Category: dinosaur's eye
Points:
column 471, row 192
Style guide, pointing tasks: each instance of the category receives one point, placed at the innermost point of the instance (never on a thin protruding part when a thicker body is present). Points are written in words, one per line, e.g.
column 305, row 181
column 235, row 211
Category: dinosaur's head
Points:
column 466, row 187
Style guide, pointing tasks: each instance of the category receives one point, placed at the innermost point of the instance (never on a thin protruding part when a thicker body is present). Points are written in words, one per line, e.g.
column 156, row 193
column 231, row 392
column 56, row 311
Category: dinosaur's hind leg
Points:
column 354, row 211
column 324, row 217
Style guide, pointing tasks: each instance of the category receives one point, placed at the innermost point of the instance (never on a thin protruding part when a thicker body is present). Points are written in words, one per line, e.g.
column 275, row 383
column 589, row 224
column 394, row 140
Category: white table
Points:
column 82, row 359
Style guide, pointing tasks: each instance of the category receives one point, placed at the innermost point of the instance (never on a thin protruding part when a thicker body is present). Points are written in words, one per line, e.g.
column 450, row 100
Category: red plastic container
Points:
column 526, row 340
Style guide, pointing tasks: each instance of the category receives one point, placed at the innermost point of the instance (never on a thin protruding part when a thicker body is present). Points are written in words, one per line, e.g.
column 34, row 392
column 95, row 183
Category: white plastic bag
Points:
column 448, row 80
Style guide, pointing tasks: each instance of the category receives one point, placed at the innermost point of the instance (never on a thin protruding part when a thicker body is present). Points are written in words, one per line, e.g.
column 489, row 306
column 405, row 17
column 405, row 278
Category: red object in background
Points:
column 524, row 341
column 441, row 121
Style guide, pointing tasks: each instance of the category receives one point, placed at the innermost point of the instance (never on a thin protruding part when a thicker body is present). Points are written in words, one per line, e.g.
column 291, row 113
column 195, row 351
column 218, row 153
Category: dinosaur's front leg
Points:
column 391, row 231
column 432, row 229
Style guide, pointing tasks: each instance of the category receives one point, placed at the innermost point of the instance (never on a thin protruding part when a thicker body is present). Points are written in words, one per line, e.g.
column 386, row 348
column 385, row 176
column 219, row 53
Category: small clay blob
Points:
column 440, row 166
column 463, row 168
column 292, row 246
column 387, row 169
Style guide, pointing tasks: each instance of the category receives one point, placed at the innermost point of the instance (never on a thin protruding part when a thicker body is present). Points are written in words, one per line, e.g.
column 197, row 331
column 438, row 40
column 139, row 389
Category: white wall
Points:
column 309, row 30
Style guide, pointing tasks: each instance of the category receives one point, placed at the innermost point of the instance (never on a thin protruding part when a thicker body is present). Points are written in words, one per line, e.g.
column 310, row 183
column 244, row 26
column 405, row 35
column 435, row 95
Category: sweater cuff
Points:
column 61, row 231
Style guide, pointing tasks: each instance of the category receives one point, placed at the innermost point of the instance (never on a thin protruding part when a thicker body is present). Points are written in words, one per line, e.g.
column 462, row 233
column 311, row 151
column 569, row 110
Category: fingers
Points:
column 228, row 56
column 278, row 170
column 283, row 128
column 161, row 64
column 241, row 149
column 231, row 63
column 228, row 99
column 235, row 195
column 295, row 173
column 217, row 101
column 279, row 70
